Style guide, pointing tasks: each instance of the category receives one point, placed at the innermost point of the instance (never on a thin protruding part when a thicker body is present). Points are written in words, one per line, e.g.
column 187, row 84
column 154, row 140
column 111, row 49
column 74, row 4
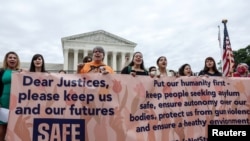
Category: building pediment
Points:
column 99, row 36
column 77, row 46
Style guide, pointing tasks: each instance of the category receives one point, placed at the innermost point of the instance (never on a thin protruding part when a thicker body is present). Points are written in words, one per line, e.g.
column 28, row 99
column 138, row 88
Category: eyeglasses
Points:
column 137, row 56
column 98, row 51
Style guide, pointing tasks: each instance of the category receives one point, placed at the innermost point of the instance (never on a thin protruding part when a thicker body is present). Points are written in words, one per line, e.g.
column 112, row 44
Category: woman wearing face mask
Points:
column 241, row 70
column 152, row 71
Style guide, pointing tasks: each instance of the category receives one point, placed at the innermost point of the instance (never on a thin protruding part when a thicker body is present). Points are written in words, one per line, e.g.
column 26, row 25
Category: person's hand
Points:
column 80, row 65
column 133, row 73
column 152, row 76
column 23, row 70
column 103, row 70
column 20, row 70
column 205, row 75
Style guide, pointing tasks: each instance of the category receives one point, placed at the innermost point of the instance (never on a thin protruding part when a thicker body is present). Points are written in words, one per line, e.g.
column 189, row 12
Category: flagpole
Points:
column 219, row 36
column 221, row 50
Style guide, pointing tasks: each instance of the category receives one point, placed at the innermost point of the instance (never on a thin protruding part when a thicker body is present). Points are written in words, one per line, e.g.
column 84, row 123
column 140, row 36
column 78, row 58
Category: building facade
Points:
column 118, row 51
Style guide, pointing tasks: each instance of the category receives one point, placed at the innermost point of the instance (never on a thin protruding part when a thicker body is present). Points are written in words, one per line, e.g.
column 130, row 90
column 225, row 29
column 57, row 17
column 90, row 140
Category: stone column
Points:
column 123, row 60
column 114, row 61
column 66, row 55
column 75, row 59
column 131, row 56
column 105, row 61
column 85, row 53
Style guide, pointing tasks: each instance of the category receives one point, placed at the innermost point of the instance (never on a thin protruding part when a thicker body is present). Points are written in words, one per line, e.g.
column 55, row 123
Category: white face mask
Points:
column 153, row 73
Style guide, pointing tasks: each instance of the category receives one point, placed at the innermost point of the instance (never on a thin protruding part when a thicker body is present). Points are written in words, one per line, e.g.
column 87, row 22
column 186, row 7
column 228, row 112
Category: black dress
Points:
column 202, row 72
column 127, row 70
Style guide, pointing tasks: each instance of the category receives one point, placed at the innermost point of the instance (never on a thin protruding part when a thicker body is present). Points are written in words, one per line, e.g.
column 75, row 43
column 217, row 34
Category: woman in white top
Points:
column 162, row 67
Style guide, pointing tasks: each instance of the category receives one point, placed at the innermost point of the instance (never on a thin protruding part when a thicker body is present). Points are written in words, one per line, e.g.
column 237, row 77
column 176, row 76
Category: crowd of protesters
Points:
column 95, row 64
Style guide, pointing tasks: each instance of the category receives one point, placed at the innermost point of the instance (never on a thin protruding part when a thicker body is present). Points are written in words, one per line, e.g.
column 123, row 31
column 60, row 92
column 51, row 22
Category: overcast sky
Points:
column 185, row 31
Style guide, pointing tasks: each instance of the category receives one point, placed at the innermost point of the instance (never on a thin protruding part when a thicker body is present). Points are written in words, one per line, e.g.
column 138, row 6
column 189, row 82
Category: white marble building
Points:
column 118, row 51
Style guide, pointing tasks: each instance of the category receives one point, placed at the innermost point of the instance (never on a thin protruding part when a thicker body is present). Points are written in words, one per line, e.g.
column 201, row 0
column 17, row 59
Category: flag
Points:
column 227, row 56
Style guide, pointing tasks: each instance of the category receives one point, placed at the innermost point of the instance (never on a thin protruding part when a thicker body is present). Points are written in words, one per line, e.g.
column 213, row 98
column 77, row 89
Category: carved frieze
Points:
column 100, row 36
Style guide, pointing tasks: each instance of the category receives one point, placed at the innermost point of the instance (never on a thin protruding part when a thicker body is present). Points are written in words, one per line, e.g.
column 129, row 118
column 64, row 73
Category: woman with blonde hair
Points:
column 11, row 63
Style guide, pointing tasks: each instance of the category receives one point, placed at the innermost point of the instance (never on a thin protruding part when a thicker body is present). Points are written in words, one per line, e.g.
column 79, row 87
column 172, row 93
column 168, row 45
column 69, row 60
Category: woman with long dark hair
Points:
column 136, row 66
column 210, row 68
column 37, row 64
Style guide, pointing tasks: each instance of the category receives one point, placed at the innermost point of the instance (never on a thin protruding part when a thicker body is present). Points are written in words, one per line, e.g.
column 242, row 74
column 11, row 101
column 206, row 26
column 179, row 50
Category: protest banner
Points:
column 119, row 107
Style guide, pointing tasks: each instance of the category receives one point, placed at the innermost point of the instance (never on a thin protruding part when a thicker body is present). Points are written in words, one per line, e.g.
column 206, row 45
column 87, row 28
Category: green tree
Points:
column 242, row 55
column 219, row 66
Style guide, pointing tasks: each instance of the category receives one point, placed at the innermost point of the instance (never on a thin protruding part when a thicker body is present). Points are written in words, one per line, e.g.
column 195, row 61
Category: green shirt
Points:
column 5, row 98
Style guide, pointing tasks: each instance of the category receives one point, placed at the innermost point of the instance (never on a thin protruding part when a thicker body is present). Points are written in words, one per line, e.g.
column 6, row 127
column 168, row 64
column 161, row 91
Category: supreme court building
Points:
column 118, row 51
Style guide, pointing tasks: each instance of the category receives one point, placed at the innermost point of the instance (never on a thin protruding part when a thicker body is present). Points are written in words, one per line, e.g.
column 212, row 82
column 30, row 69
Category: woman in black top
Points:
column 37, row 64
column 210, row 68
column 136, row 66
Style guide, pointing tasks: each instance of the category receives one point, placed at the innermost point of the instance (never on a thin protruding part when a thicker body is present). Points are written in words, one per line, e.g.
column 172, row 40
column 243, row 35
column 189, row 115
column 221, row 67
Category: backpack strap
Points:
column 129, row 69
